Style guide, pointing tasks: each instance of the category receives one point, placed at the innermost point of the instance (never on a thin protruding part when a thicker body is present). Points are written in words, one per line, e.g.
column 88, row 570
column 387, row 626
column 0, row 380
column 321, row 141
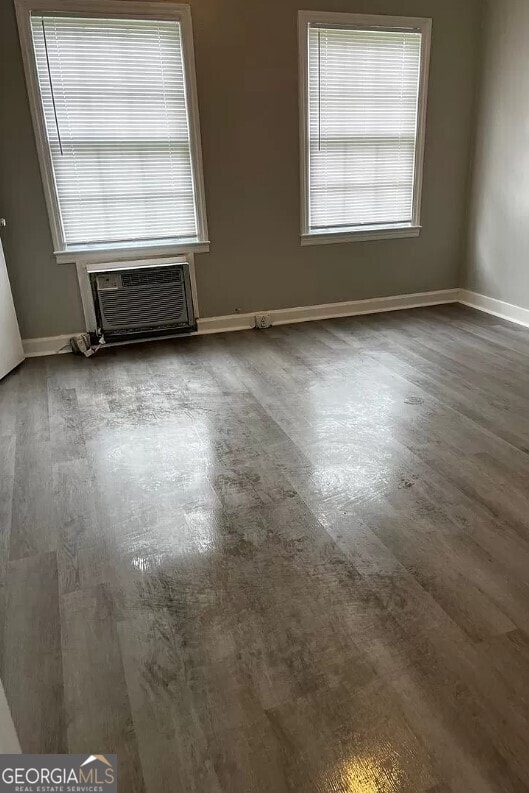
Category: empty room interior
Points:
column 264, row 396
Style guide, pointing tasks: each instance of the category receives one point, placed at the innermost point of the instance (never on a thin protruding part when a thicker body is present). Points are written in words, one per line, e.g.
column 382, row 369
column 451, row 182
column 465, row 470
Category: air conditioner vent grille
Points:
column 159, row 275
column 143, row 307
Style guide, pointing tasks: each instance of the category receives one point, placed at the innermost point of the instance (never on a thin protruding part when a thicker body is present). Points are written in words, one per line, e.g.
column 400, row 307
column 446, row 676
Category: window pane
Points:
column 114, row 100
column 363, row 104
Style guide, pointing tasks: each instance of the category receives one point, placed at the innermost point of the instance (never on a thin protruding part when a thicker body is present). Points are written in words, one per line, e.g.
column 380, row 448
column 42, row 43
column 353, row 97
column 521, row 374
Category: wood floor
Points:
column 288, row 561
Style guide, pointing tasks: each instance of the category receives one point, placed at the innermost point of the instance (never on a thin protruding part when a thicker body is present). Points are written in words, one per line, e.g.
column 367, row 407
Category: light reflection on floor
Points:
column 371, row 773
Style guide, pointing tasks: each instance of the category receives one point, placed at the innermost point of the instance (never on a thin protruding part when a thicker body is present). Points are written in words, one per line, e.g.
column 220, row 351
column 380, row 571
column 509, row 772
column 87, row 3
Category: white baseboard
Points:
column 281, row 316
column 351, row 308
column 497, row 308
column 48, row 345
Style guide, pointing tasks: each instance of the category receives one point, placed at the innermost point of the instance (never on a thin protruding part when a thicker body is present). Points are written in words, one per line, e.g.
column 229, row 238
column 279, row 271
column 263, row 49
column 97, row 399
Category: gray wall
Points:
column 498, row 255
column 248, row 94
column 46, row 295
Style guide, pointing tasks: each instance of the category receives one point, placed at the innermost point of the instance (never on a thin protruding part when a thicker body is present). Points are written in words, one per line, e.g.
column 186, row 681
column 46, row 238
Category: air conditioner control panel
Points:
column 108, row 282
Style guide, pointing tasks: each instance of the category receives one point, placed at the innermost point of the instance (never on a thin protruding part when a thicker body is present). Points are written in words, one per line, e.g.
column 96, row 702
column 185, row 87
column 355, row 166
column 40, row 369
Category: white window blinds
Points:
column 114, row 99
column 363, row 105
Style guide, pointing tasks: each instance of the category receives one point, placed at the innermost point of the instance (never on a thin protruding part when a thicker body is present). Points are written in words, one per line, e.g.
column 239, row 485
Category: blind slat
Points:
column 115, row 107
column 363, row 104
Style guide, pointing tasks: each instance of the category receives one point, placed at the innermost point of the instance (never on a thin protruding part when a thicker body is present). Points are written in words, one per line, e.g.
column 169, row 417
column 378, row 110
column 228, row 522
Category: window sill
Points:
column 109, row 252
column 368, row 233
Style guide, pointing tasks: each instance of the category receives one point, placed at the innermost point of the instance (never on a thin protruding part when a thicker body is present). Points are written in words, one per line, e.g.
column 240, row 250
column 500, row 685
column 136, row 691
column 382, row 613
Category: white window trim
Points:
column 361, row 21
column 128, row 9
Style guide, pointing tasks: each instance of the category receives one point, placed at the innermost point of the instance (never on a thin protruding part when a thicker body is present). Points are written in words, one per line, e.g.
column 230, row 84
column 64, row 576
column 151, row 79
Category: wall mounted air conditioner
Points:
column 139, row 300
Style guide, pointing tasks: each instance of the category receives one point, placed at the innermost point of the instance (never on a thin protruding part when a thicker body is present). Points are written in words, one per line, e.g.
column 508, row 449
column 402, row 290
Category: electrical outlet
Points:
column 263, row 321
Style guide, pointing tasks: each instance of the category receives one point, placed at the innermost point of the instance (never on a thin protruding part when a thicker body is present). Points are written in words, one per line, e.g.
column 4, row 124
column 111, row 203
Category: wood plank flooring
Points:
column 290, row 561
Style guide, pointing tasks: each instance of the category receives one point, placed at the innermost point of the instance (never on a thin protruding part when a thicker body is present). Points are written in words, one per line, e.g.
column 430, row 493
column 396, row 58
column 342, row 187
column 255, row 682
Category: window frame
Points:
column 361, row 22
column 113, row 9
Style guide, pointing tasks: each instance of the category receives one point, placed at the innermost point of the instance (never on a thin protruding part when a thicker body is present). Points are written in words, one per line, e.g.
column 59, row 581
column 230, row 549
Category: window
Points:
column 116, row 116
column 363, row 106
